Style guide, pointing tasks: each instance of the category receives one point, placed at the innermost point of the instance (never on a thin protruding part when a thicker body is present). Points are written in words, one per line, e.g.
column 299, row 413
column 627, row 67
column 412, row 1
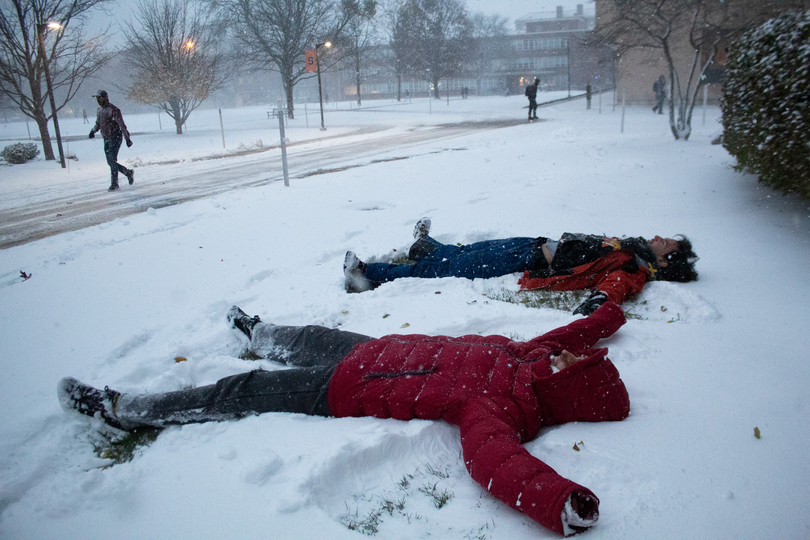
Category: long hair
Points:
column 681, row 263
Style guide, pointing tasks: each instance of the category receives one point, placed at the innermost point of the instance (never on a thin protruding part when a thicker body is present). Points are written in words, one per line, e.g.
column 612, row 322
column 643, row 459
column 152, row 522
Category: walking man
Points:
column 660, row 89
column 531, row 93
column 113, row 130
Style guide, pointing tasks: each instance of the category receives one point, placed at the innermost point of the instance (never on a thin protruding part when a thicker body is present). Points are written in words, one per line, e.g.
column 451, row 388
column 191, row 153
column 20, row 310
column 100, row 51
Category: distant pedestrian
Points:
column 407, row 95
column 113, row 129
column 660, row 89
column 531, row 93
column 84, row 116
column 464, row 92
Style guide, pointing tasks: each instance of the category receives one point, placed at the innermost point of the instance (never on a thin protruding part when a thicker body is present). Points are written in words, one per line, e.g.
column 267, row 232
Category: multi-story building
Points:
column 551, row 46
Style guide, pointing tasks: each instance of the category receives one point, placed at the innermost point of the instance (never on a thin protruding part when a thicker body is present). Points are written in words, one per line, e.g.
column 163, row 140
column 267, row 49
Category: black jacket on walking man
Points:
column 113, row 130
column 531, row 93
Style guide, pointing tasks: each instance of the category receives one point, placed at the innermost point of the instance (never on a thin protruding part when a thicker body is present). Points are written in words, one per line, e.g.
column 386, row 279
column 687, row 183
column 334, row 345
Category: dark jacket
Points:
column 619, row 268
column 111, row 123
column 499, row 392
column 531, row 92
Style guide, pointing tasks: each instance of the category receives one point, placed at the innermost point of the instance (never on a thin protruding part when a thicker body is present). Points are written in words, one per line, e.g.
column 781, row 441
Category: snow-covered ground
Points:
column 115, row 304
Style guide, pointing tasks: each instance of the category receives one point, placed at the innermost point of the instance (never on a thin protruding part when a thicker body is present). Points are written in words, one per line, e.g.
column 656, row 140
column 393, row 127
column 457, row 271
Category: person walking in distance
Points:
column 111, row 124
column 660, row 89
column 531, row 93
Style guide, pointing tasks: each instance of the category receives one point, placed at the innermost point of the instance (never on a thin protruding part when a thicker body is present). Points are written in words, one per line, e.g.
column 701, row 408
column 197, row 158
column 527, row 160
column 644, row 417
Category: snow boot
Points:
column 113, row 187
column 131, row 176
column 354, row 271
column 422, row 228
column 241, row 321
column 76, row 396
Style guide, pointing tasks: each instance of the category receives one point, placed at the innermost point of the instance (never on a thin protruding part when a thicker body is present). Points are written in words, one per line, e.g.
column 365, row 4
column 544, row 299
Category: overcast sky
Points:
column 514, row 9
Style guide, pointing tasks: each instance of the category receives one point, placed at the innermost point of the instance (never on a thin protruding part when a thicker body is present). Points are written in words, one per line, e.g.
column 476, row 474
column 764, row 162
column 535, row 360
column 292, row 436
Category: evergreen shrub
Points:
column 766, row 103
column 19, row 152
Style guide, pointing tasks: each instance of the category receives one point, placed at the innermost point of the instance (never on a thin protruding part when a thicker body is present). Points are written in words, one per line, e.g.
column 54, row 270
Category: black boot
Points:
column 241, row 321
column 113, row 186
column 76, row 396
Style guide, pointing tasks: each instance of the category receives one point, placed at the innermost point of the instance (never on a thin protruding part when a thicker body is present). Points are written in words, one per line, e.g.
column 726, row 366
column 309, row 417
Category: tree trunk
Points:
column 288, row 94
column 42, row 124
column 174, row 103
column 357, row 75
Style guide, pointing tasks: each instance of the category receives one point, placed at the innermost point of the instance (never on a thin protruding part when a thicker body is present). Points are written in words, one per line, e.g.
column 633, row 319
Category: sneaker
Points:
column 131, row 176
column 241, row 321
column 422, row 228
column 112, row 187
column 354, row 270
column 76, row 396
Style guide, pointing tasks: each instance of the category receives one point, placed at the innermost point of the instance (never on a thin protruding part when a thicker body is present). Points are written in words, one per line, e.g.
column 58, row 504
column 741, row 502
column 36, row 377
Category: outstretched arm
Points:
column 618, row 285
column 496, row 459
column 584, row 333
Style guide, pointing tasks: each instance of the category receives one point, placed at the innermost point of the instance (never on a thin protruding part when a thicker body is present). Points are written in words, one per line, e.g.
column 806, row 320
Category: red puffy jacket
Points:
column 607, row 274
column 499, row 392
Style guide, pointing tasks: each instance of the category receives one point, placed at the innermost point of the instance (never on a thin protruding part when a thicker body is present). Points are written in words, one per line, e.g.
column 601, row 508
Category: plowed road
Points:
column 53, row 211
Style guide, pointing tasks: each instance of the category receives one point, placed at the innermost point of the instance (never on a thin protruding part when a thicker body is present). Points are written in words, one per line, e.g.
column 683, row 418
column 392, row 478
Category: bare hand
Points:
column 566, row 359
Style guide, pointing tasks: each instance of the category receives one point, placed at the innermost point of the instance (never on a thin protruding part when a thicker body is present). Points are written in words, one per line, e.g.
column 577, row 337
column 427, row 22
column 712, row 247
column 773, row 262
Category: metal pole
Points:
column 160, row 124
column 448, row 90
column 41, row 32
column 623, row 96
column 283, row 144
column 600, row 100
column 320, row 92
column 306, row 114
column 222, row 128
column 28, row 128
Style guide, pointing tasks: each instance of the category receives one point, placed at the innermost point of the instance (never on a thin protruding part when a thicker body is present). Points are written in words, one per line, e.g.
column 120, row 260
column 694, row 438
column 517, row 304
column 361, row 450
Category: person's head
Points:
column 675, row 258
column 101, row 97
column 661, row 79
column 536, row 81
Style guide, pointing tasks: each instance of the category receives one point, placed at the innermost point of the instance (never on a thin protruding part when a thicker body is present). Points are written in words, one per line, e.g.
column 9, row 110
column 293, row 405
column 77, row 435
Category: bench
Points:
column 274, row 114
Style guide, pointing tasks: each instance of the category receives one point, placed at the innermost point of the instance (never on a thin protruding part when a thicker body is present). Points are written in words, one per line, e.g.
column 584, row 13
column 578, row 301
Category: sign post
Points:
column 281, row 112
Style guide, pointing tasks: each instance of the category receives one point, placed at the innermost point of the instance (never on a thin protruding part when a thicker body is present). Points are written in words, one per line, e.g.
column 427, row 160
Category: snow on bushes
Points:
column 766, row 102
column 19, row 152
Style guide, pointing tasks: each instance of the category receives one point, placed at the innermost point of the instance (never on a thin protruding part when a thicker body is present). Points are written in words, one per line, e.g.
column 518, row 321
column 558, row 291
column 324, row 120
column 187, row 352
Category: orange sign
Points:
column 309, row 58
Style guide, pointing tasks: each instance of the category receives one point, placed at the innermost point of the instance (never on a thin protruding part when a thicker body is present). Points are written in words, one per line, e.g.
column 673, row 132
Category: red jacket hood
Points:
column 588, row 391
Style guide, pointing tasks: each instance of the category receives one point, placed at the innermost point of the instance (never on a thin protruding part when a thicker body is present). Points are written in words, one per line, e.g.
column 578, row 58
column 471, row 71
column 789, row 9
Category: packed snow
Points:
column 120, row 303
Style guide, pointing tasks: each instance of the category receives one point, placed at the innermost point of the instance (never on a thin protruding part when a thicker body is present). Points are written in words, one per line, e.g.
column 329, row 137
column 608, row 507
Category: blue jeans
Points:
column 491, row 258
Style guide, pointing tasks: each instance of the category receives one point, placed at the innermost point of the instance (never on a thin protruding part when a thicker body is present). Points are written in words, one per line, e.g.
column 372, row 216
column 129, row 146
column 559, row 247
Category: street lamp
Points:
column 318, row 67
column 41, row 33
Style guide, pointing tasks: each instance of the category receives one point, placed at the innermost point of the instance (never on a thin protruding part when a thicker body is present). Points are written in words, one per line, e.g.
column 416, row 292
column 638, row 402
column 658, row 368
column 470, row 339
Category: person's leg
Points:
column 299, row 390
column 111, row 147
column 486, row 259
column 303, row 346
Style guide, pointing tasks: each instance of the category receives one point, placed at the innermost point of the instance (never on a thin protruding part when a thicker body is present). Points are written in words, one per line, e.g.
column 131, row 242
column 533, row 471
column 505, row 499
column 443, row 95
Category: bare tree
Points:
column 700, row 26
column 356, row 42
column 436, row 37
column 71, row 58
column 396, row 36
column 489, row 44
column 274, row 34
column 175, row 55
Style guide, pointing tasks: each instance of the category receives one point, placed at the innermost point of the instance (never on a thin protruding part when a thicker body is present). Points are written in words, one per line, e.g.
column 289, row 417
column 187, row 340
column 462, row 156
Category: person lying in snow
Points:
column 615, row 268
column 499, row 393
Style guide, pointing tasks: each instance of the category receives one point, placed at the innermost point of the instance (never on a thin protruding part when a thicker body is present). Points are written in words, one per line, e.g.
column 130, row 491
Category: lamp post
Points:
column 318, row 67
column 41, row 33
